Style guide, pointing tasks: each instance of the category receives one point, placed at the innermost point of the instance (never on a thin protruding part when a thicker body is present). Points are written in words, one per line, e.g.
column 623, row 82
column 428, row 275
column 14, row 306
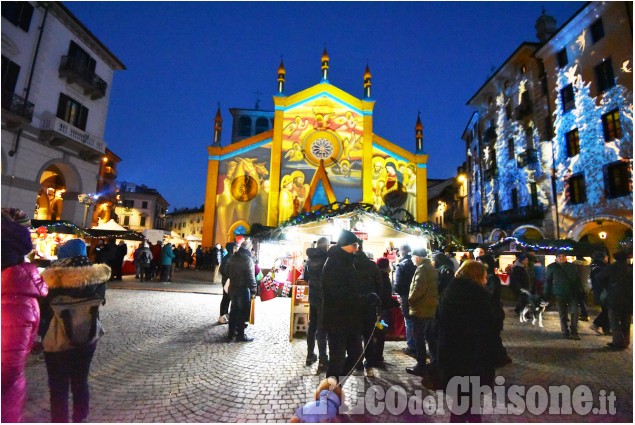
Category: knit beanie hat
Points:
column 347, row 238
column 72, row 248
column 383, row 263
column 16, row 243
column 18, row 216
column 323, row 242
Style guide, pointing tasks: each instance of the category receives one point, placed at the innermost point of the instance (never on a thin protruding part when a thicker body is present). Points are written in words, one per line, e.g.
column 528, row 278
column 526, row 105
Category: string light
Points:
column 399, row 219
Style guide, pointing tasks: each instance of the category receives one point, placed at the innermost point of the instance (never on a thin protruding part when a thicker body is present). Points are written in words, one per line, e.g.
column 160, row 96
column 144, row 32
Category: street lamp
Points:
column 86, row 199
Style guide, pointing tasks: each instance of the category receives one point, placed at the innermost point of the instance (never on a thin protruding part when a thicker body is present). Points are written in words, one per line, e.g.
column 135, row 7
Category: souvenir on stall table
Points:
column 286, row 290
column 267, row 288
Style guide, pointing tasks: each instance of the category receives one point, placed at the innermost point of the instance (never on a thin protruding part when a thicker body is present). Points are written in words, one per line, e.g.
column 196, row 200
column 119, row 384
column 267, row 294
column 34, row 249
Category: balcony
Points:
column 110, row 173
column 530, row 156
column 57, row 132
column 76, row 72
column 524, row 110
column 17, row 111
column 520, row 214
column 490, row 173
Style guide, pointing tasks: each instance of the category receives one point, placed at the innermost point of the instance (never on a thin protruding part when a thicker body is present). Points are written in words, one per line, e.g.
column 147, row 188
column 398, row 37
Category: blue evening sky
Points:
column 183, row 58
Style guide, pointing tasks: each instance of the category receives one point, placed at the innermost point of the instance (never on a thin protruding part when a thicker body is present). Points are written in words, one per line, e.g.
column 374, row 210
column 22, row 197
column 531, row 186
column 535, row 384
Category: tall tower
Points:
column 218, row 127
column 545, row 26
column 367, row 82
column 419, row 135
column 325, row 66
column 281, row 77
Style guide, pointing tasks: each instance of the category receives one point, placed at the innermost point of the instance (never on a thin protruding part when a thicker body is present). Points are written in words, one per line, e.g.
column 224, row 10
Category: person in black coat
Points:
column 598, row 263
column 342, row 306
column 404, row 272
column 468, row 334
column 316, row 257
column 617, row 278
column 242, row 287
column 493, row 287
column 223, row 319
column 387, row 304
column 370, row 282
column 519, row 279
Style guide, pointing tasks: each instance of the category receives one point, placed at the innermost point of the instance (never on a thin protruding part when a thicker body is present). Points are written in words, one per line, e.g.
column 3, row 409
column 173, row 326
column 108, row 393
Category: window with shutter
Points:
column 19, row 13
column 72, row 112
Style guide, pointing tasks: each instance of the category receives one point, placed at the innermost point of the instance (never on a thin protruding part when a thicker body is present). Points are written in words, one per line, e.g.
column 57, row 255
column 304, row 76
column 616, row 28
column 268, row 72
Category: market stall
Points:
column 381, row 233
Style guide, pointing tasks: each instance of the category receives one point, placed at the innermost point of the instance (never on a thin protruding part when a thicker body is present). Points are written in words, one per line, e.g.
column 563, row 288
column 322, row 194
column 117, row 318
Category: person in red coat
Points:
column 21, row 287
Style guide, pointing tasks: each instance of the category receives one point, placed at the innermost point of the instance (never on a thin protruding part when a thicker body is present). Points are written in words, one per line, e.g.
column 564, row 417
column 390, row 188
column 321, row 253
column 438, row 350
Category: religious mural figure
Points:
column 224, row 202
column 410, row 183
column 300, row 189
column 285, row 204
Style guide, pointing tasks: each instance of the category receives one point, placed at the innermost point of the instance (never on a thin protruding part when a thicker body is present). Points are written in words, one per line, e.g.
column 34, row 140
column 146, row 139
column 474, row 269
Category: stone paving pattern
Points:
column 164, row 359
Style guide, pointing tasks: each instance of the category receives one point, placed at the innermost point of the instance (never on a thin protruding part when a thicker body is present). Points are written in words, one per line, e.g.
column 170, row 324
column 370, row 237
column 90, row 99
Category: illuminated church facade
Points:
column 316, row 148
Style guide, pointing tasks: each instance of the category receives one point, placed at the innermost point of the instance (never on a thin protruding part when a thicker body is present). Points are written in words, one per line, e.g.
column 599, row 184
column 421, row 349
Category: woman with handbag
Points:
column 70, row 326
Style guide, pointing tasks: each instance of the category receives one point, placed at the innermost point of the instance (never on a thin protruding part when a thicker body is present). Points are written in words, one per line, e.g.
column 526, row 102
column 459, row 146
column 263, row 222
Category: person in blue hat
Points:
column 72, row 279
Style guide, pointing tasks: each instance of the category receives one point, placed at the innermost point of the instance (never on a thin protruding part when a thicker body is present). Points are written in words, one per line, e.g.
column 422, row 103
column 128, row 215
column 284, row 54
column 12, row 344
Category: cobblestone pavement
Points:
column 164, row 359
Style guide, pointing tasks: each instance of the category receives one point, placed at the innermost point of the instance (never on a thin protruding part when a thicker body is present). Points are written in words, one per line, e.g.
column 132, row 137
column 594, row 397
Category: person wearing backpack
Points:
column 70, row 326
column 144, row 259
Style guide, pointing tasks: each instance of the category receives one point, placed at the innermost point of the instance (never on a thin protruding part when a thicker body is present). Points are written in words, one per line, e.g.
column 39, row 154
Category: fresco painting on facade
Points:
column 243, row 189
column 394, row 183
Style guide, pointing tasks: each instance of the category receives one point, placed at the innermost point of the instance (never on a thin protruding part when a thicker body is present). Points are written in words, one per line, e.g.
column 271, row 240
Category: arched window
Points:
column 262, row 124
column 244, row 126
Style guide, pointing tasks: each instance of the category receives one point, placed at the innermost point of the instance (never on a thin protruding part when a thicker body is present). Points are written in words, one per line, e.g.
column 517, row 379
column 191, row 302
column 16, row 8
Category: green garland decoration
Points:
column 439, row 237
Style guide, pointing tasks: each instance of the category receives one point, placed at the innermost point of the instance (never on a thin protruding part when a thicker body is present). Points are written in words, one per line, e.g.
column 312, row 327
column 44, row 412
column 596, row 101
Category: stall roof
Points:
column 546, row 246
column 63, row 226
column 391, row 224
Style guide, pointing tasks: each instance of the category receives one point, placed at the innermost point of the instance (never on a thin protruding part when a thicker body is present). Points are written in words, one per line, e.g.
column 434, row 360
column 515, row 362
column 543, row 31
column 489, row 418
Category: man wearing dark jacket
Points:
column 342, row 305
column 403, row 278
column 598, row 263
column 223, row 319
column 242, row 287
column 316, row 257
column 618, row 281
column 563, row 281
column 519, row 279
column 370, row 282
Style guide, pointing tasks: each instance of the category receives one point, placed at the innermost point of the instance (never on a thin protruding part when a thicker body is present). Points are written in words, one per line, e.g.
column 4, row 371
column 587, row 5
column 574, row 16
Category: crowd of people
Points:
column 453, row 313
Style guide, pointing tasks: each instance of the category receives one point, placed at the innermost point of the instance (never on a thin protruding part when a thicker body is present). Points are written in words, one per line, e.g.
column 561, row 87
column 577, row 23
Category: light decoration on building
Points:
column 581, row 41
column 522, row 88
column 625, row 67
column 596, row 152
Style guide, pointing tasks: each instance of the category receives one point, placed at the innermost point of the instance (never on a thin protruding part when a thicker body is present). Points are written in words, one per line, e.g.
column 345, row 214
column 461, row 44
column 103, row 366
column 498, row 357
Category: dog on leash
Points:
column 328, row 399
column 534, row 308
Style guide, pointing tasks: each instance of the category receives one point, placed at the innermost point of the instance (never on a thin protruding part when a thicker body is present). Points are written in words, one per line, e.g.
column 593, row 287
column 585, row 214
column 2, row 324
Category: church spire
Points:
column 419, row 135
column 325, row 66
column 281, row 76
column 218, row 127
column 367, row 82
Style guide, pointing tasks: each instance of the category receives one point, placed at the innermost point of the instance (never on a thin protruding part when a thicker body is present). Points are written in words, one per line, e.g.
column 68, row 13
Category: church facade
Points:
column 320, row 149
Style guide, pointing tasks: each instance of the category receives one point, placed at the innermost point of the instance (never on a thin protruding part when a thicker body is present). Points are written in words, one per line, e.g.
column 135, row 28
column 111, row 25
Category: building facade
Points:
column 56, row 84
column 186, row 222
column 544, row 156
column 321, row 149
column 140, row 208
column 588, row 67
